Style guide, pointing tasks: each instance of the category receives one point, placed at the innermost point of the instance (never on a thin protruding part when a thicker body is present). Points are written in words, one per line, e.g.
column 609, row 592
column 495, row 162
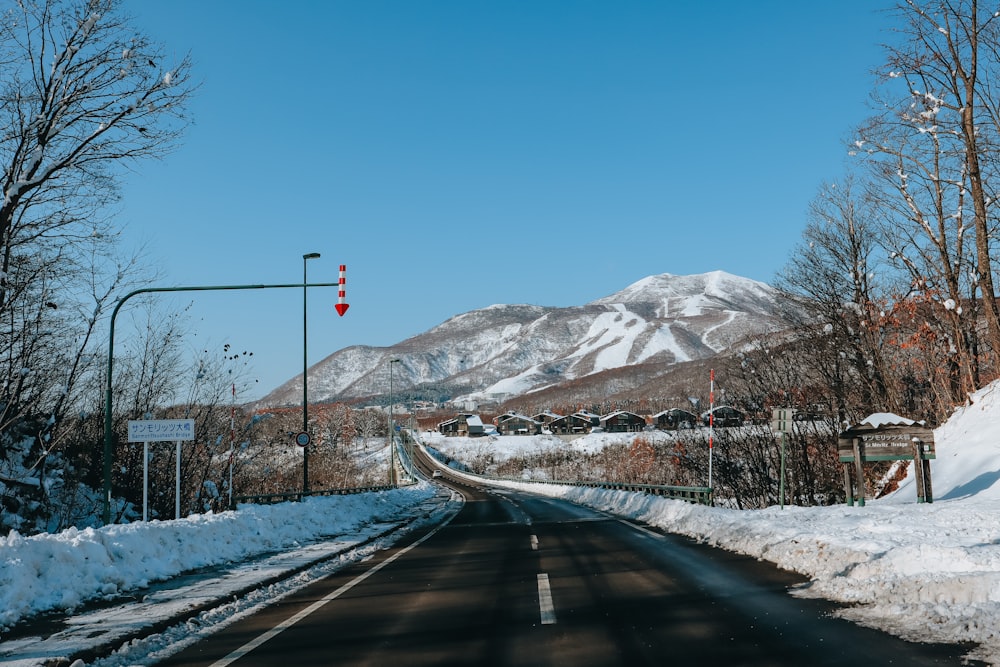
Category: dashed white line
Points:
column 546, row 609
column 534, row 543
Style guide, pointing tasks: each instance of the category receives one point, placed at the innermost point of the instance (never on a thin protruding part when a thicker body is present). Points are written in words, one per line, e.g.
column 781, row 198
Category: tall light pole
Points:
column 305, row 438
column 392, row 449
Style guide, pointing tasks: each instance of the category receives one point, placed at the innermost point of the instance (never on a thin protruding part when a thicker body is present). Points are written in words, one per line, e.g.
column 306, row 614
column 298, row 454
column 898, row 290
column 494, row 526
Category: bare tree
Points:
column 947, row 64
column 920, row 176
column 832, row 272
column 81, row 93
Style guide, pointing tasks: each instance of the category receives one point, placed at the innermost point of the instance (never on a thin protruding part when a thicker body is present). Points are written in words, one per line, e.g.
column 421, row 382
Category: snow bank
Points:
column 60, row 571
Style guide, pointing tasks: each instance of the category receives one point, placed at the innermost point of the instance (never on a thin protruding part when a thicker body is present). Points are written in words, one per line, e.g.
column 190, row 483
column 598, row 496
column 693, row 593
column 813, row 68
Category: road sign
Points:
column 302, row 439
column 781, row 419
column 160, row 430
column 904, row 441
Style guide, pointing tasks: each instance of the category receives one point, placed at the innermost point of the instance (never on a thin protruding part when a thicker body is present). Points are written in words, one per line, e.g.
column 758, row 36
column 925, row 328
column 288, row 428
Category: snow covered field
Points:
column 927, row 572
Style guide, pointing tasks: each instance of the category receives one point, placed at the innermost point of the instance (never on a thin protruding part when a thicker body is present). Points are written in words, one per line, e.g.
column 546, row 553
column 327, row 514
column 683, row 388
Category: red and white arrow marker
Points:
column 342, row 304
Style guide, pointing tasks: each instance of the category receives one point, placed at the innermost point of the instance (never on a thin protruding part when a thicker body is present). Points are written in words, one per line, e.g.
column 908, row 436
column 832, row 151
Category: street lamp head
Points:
column 311, row 255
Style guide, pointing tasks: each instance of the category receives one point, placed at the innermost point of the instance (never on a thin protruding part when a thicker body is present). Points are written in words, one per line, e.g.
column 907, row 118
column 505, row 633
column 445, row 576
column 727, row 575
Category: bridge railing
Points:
column 701, row 495
column 272, row 498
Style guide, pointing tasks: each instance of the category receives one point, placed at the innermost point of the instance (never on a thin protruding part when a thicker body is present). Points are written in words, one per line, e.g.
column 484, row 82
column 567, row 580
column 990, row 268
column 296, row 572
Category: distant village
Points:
column 583, row 422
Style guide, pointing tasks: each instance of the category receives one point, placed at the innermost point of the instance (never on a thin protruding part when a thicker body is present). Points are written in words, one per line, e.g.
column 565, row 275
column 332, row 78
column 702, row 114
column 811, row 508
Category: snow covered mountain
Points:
column 508, row 350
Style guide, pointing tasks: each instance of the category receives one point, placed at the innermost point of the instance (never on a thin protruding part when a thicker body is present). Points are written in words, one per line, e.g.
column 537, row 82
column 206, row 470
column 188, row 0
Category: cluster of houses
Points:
column 583, row 422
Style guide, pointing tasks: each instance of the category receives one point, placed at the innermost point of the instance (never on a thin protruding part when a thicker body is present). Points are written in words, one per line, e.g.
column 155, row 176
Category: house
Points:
column 590, row 417
column 463, row 424
column 449, row 427
column 623, row 421
column 512, row 423
column 546, row 418
column 578, row 422
column 723, row 415
column 675, row 418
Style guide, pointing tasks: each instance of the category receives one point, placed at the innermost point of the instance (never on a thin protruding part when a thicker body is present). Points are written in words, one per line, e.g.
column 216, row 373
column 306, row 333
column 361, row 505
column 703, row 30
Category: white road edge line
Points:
column 534, row 543
column 545, row 607
column 641, row 529
column 284, row 625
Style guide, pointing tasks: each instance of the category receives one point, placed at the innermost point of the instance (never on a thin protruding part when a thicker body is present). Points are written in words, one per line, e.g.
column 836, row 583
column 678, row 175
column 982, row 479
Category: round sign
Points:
column 302, row 439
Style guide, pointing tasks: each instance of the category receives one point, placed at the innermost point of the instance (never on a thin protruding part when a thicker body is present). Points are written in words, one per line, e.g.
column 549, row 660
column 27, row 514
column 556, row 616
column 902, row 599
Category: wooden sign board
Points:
column 897, row 442
column 888, row 444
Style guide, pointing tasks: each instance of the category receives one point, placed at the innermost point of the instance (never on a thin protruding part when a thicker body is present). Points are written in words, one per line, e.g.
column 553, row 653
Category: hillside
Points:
column 505, row 351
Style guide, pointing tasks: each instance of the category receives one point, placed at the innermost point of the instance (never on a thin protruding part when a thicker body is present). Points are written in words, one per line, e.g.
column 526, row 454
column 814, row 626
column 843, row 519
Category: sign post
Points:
column 160, row 430
column 781, row 421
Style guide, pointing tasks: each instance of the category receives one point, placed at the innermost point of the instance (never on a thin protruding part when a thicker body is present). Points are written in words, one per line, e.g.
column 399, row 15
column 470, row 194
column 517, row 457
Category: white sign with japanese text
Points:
column 160, row 430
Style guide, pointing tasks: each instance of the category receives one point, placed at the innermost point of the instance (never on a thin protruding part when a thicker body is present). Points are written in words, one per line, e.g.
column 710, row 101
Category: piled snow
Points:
column 60, row 571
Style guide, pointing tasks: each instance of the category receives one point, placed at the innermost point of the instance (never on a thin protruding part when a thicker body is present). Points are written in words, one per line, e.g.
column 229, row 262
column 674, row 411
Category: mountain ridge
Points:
column 507, row 350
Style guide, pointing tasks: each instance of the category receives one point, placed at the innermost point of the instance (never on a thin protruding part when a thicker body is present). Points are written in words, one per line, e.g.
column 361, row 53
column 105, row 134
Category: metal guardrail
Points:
column 272, row 498
column 700, row 495
column 295, row 496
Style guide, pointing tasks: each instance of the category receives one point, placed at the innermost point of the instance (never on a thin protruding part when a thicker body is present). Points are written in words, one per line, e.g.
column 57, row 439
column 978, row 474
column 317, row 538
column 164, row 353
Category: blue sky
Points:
column 456, row 154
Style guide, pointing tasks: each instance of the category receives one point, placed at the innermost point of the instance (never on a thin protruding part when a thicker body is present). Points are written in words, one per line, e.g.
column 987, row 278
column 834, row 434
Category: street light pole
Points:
column 305, row 376
column 392, row 449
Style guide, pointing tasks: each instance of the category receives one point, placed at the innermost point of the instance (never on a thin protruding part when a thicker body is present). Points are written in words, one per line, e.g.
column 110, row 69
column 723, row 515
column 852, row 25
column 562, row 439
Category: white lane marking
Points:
column 534, row 543
column 641, row 529
column 284, row 625
column 545, row 607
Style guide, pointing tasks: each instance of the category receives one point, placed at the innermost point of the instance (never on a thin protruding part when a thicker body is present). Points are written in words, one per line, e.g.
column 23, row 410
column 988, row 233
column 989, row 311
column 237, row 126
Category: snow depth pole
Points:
column 342, row 304
column 711, row 421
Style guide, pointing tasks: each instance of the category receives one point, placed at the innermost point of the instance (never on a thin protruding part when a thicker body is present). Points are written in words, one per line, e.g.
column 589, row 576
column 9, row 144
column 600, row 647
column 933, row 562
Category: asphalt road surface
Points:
column 516, row 579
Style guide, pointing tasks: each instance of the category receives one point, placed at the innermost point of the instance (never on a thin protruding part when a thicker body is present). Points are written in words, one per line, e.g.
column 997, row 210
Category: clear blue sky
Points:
column 456, row 154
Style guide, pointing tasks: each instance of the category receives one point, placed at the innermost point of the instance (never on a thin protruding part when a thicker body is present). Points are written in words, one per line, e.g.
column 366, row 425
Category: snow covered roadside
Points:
column 61, row 571
column 929, row 573
column 925, row 572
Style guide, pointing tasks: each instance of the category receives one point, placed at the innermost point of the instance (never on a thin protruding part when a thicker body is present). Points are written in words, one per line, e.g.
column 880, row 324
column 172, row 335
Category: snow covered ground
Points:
column 927, row 572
